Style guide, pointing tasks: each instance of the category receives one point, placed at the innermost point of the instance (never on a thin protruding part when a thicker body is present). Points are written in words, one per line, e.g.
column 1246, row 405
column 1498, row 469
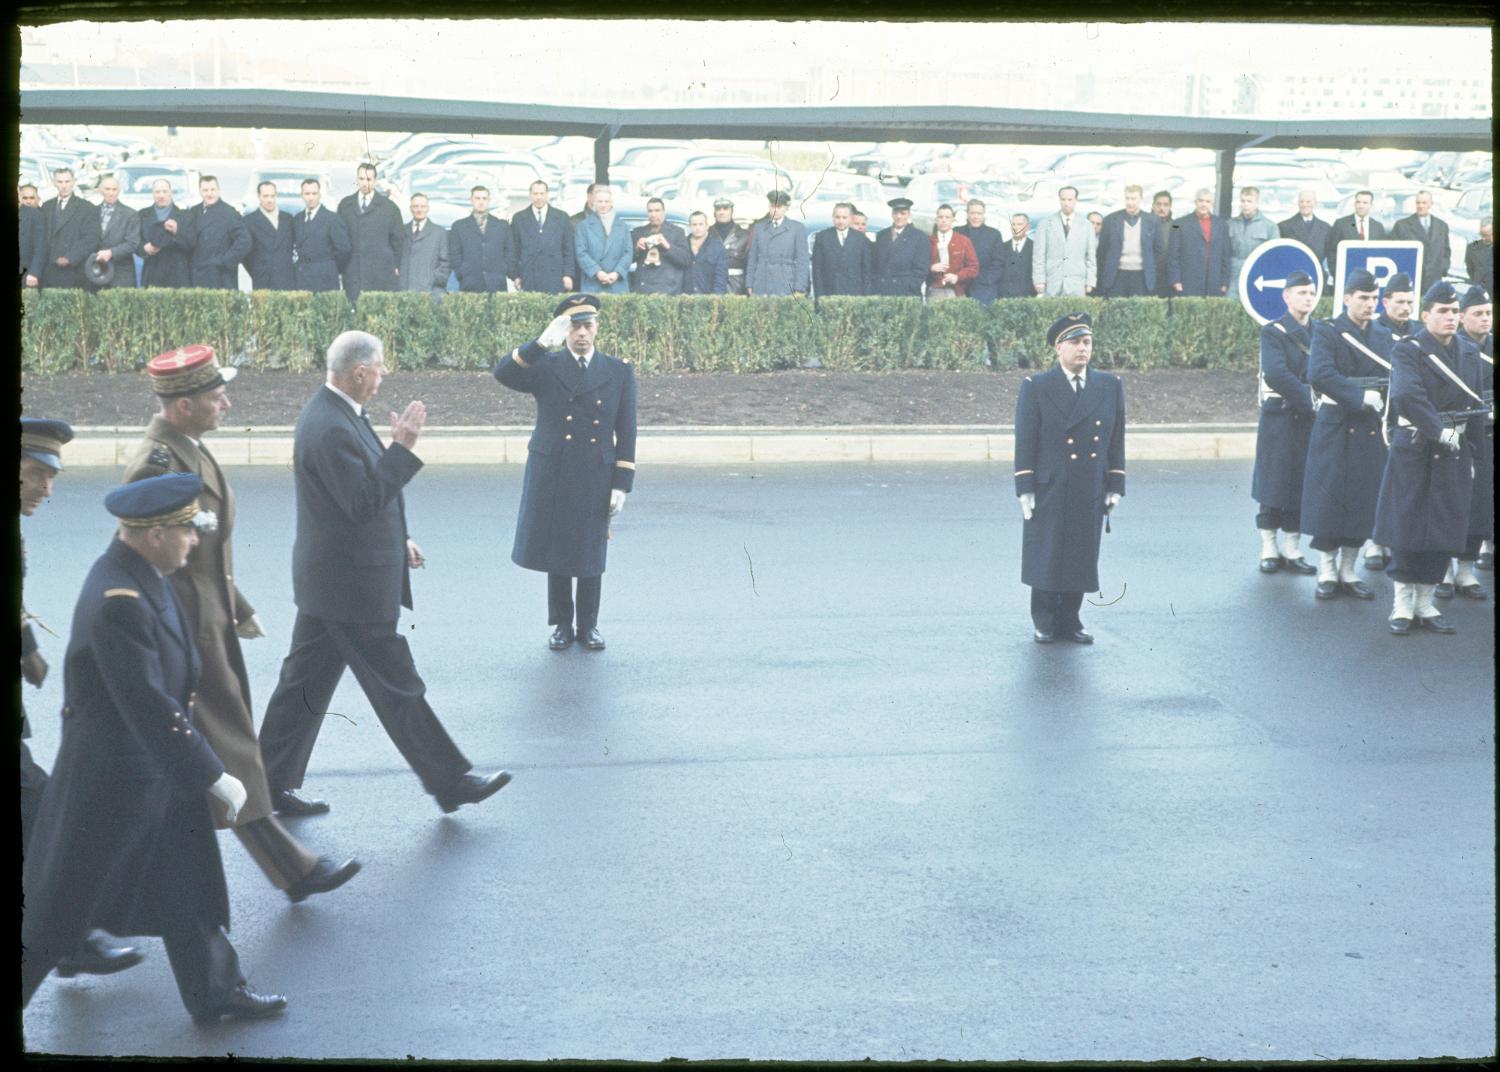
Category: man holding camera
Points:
column 661, row 253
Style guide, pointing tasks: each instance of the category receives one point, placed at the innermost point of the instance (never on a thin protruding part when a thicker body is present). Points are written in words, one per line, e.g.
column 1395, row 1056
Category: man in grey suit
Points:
column 424, row 257
column 1062, row 259
column 119, row 237
column 1422, row 226
column 72, row 230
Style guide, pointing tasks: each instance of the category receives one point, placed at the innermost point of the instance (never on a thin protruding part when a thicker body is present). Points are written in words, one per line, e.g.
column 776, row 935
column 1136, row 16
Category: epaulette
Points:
column 131, row 592
column 160, row 457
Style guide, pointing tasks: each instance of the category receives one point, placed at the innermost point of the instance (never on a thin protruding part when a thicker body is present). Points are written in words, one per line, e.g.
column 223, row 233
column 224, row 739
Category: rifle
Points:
column 1364, row 383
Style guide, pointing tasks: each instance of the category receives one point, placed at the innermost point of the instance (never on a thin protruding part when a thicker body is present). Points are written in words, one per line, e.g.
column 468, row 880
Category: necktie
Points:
column 582, row 364
column 539, row 219
column 1361, row 230
column 1067, row 227
column 1426, row 223
column 1077, row 384
column 309, row 216
column 105, row 213
column 416, row 229
column 364, row 203
column 841, row 237
column 482, row 221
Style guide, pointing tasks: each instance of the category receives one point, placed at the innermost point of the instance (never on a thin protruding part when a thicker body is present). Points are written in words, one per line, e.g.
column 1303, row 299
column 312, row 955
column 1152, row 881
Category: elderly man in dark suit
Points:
column 988, row 245
column 1070, row 473
column 1200, row 251
column 119, row 238
column 269, row 261
column 125, row 837
column 72, row 228
column 1127, row 250
column 320, row 242
column 220, row 240
column 1479, row 256
column 166, row 240
column 375, row 236
column 580, row 463
column 351, row 576
column 543, row 258
column 1358, row 226
column 481, row 248
column 1014, row 280
column 31, row 238
column 899, row 261
column 1422, row 226
column 1306, row 227
column 424, row 257
column 841, row 257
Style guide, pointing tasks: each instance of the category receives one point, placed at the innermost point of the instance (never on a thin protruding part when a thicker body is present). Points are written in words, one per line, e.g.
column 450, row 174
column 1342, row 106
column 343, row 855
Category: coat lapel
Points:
column 565, row 368
column 156, row 589
column 1058, row 391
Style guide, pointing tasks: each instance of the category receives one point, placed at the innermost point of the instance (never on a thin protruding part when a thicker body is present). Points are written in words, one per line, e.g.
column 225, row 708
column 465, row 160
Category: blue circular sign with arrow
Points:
column 1264, row 275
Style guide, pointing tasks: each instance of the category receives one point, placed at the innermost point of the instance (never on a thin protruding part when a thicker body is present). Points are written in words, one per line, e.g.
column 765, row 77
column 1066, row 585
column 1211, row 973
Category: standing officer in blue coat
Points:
column 901, row 258
column 1427, row 490
column 1070, row 473
column 580, row 462
column 1346, row 454
column 125, row 837
column 1286, row 418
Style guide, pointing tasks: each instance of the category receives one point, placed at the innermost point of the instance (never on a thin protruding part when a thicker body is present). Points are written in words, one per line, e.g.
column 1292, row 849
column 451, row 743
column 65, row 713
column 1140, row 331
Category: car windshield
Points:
column 139, row 181
column 732, row 185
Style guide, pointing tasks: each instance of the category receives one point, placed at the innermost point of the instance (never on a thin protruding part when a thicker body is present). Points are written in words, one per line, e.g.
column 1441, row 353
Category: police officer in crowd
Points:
column 41, row 460
column 1427, row 489
column 1286, row 419
column 900, row 263
column 1346, row 454
column 1070, row 473
column 125, row 837
column 736, row 242
column 1396, row 306
column 580, row 463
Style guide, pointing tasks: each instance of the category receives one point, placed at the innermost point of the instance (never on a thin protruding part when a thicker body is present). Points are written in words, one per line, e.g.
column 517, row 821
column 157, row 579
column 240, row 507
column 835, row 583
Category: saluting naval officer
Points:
column 192, row 396
column 125, row 838
column 580, row 463
column 1286, row 419
column 1427, row 490
column 1346, row 454
column 1070, row 473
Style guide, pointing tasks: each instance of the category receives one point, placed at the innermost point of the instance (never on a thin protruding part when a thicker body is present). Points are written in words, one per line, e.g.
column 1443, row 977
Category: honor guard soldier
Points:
column 1396, row 306
column 580, row 463
column 125, row 837
column 900, row 260
column 1427, row 490
column 1070, row 473
column 1476, row 348
column 1286, row 419
column 1349, row 368
column 41, row 460
column 1477, row 323
column 192, row 394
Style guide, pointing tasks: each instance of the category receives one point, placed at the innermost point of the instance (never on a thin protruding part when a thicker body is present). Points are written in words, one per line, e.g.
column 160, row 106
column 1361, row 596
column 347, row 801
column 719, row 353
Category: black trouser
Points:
column 1056, row 612
column 1274, row 517
column 33, row 782
column 560, row 606
column 1333, row 543
column 382, row 663
column 1128, row 285
column 1417, row 567
column 1471, row 548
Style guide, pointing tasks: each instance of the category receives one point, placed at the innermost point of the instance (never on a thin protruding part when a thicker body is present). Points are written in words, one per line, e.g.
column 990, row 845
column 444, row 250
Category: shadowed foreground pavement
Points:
column 823, row 798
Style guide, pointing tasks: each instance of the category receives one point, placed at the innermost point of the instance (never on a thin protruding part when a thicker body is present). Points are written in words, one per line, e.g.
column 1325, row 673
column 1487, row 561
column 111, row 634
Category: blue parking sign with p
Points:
column 1381, row 258
column 1265, row 272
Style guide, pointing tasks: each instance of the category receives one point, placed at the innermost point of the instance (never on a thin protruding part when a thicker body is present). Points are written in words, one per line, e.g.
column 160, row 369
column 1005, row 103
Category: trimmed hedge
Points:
column 120, row 330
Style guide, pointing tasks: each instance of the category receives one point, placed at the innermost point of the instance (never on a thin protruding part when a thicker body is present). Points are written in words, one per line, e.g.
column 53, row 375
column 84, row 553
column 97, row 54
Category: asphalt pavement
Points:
column 822, row 797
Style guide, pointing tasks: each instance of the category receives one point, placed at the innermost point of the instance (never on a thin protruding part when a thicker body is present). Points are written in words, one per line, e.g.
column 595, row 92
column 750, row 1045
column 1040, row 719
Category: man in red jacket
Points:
column 954, row 262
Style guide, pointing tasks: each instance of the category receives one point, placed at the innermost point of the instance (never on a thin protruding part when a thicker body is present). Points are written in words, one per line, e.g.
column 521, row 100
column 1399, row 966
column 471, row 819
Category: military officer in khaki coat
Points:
column 191, row 389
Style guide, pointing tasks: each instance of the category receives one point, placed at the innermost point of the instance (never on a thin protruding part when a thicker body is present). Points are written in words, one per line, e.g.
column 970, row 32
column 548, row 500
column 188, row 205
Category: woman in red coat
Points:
column 954, row 262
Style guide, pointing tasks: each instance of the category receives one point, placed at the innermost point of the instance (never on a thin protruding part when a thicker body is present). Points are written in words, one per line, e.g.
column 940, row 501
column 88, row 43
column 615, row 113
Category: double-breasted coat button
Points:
column 569, row 436
column 1073, row 456
column 1372, row 431
column 569, row 417
column 598, row 401
column 596, row 422
column 1070, row 441
column 1092, row 454
column 1096, row 439
column 1098, row 424
column 592, row 439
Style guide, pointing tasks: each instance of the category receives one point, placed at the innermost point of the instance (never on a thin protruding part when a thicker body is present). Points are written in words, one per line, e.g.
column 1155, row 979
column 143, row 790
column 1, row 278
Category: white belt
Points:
column 736, row 271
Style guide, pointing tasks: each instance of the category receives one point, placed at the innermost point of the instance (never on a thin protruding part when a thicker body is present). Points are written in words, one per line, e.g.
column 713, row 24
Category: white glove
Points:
column 250, row 628
column 230, row 792
column 1451, row 440
column 1111, row 500
column 616, row 501
column 1372, row 401
column 556, row 333
column 1028, row 505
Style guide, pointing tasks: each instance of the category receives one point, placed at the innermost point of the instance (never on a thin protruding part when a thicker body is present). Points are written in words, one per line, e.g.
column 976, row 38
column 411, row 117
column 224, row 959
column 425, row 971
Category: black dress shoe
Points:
column 292, row 802
column 1327, row 589
column 1080, row 636
column 1485, row 561
column 1400, row 626
column 1375, row 562
column 325, row 875
column 1443, row 591
column 471, row 789
column 561, row 637
column 592, row 640
column 1357, row 589
column 1470, row 591
column 1041, row 636
column 242, row 1003
column 97, row 955
column 1298, row 565
column 1436, row 624
column 1270, row 565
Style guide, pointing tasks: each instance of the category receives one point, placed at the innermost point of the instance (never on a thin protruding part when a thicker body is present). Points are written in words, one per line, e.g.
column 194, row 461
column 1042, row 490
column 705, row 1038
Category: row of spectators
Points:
column 364, row 244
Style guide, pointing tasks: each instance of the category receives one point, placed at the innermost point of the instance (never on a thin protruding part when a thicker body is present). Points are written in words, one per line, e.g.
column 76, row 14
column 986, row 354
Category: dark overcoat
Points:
column 1399, row 331
column 1202, row 269
column 583, row 446
column 220, row 242
column 1015, row 270
column 840, row 269
column 32, row 241
column 124, row 839
column 269, row 261
column 899, row 266
column 1112, row 241
column 122, row 237
column 1437, row 253
column 1346, row 454
column 1286, row 422
column 989, row 247
column 170, row 265
column 1311, row 233
column 322, row 247
column 1482, row 360
column 1070, row 453
column 349, row 555
column 543, row 254
column 708, row 269
column 1426, row 494
column 1479, row 264
column 482, row 262
column 666, row 277
column 375, row 238
column 72, row 233
column 1345, row 229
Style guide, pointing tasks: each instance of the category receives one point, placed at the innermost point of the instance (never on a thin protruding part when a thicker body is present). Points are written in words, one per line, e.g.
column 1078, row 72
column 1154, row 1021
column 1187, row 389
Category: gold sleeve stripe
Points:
column 515, row 355
column 622, row 464
column 132, row 593
column 1024, row 472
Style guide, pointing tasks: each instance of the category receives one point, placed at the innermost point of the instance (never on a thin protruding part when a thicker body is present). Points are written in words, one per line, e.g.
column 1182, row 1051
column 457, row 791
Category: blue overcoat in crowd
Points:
column 323, row 246
column 600, row 252
column 269, row 261
column 543, row 254
column 170, row 265
column 482, row 262
column 1203, row 270
column 220, row 242
column 841, row 269
column 989, row 247
column 582, row 447
column 1346, row 454
column 708, row 269
column 1112, row 241
column 1473, row 357
column 72, row 233
column 900, row 265
column 376, row 236
column 1070, row 453
column 1286, row 422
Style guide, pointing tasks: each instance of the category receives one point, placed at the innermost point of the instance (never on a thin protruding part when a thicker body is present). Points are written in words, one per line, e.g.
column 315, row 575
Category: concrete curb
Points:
column 712, row 445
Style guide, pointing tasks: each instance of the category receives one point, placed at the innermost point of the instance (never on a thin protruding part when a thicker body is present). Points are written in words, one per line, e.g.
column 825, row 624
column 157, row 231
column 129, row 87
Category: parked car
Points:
column 814, row 198
column 288, row 179
column 1463, row 226
column 747, row 187
column 136, row 181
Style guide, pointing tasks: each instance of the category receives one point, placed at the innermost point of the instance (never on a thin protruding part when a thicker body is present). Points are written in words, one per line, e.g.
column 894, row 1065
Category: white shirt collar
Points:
column 1084, row 375
column 311, row 212
column 359, row 410
column 586, row 358
column 274, row 216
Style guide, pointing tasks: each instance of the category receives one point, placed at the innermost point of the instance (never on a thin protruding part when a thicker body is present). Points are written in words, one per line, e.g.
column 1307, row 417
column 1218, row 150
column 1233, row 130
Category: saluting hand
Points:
column 406, row 428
